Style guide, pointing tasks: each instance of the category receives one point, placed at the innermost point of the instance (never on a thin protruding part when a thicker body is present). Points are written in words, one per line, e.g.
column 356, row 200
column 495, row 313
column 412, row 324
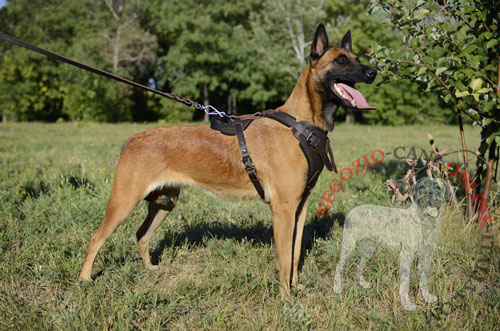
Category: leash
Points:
column 209, row 110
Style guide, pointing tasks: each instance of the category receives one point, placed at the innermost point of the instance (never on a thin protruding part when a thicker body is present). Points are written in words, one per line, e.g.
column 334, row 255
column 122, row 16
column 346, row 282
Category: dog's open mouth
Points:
column 350, row 96
column 432, row 211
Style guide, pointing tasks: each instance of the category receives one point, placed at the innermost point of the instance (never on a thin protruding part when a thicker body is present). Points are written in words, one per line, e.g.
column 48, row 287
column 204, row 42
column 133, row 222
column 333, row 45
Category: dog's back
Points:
column 379, row 223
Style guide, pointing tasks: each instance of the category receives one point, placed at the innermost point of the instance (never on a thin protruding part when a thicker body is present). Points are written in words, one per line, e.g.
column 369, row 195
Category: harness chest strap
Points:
column 247, row 161
column 313, row 141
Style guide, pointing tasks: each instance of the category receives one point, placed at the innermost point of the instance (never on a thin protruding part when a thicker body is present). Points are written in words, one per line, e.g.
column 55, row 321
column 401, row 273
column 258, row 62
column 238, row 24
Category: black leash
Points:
column 100, row 72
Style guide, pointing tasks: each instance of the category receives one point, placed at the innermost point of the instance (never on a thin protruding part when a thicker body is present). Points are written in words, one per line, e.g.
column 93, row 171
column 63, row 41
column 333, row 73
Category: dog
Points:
column 412, row 231
column 156, row 163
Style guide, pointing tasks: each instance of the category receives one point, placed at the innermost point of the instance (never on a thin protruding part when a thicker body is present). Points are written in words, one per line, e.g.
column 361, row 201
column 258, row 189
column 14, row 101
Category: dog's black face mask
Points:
column 340, row 70
column 430, row 193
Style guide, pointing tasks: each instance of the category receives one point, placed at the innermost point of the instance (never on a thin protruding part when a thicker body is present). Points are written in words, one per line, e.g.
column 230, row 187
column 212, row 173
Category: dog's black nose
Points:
column 371, row 73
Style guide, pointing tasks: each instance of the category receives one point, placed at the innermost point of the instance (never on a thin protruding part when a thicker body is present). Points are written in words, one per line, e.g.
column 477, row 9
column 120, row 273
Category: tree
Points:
column 282, row 33
column 203, row 53
column 107, row 35
column 450, row 49
column 110, row 38
column 30, row 85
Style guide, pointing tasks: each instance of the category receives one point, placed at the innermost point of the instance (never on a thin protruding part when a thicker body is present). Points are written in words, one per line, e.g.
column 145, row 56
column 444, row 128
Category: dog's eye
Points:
column 342, row 59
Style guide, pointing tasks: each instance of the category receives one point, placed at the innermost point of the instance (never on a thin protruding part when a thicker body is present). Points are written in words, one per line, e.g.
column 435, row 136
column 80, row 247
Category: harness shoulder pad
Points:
column 225, row 126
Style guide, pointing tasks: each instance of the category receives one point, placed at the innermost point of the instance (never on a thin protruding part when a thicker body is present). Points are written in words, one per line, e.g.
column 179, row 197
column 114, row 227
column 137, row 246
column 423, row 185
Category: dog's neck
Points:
column 305, row 103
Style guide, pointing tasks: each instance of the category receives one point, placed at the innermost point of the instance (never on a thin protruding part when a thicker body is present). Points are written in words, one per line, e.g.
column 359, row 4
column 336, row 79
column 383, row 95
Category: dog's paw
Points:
column 429, row 298
column 407, row 304
column 337, row 288
column 85, row 279
column 364, row 284
column 152, row 267
column 410, row 306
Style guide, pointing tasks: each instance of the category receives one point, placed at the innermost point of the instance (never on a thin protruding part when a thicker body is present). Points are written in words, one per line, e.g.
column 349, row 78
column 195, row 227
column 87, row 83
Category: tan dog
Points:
column 155, row 163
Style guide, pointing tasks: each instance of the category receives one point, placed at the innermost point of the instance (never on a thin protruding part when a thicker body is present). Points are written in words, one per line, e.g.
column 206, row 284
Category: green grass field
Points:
column 216, row 256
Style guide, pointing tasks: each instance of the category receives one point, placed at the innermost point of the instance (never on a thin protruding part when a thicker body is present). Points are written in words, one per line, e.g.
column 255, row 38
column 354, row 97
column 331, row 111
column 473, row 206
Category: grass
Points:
column 216, row 255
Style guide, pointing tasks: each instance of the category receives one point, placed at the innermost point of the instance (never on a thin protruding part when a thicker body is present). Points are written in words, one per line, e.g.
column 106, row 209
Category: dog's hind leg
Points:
column 119, row 207
column 160, row 204
column 348, row 245
column 366, row 248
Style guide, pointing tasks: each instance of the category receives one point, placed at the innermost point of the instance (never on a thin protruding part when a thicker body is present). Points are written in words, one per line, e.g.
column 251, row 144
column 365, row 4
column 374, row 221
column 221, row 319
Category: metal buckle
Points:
column 247, row 162
column 309, row 138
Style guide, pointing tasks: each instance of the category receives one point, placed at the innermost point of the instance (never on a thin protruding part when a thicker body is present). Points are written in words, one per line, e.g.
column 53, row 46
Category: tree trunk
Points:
column 470, row 208
column 4, row 118
column 489, row 172
column 350, row 116
column 483, row 149
column 229, row 105
column 206, row 101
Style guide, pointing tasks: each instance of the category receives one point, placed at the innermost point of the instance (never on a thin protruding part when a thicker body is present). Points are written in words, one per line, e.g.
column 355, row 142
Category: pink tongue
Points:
column 361, row 102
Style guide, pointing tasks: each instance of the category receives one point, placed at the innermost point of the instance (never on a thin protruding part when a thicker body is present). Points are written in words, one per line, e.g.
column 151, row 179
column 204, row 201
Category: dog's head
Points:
column 335, row 71
column 430, row 195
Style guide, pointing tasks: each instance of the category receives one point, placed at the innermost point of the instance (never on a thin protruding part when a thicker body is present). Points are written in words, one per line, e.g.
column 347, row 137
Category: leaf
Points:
column 484, row 90
column 460, row 94
column 439, row 71
column 476, row 84
column 491, row 43
column 390, row 185
column 402, row 197
column 421, row 13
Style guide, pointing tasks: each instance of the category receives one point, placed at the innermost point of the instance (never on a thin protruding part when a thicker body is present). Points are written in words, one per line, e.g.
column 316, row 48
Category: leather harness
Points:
column 313, row 141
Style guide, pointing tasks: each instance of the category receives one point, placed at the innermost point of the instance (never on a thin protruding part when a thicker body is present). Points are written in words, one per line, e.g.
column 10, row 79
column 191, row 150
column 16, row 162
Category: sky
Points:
column 3, row 3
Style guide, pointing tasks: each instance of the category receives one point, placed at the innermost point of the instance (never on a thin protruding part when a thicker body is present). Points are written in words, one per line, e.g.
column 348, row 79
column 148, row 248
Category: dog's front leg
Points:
column 424, row 266
column 298, row 239
column 405, row 263
column 283, row 224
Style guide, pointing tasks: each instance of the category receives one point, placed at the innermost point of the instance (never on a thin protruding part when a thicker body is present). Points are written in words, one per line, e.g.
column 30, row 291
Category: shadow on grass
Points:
column 390, row 169
column 35, row 188
column 257, row 234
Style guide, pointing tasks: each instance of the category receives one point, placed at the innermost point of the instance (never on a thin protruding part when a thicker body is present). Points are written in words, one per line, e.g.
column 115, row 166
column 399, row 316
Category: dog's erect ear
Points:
column 319, row 44
column 346, row 41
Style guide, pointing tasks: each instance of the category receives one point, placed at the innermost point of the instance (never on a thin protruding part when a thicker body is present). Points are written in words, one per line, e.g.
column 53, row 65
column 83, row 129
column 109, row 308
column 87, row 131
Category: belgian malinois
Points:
column 156, row 163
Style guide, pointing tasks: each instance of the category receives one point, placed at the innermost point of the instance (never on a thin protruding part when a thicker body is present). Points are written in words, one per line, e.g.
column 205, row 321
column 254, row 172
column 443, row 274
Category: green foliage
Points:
column 239, row 56
column 30, row 85
column 281, row 38
column 102, row 34
column 203, row 48
column 449, row 50
column 29, row 89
